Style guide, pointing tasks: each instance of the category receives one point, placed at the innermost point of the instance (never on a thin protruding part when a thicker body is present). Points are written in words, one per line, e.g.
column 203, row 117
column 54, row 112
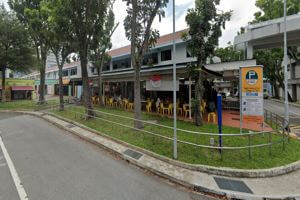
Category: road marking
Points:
column 13, row 172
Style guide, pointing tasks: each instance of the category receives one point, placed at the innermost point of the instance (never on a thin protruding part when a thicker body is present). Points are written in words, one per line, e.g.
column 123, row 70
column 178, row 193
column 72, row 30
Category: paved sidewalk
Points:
column 255, row 188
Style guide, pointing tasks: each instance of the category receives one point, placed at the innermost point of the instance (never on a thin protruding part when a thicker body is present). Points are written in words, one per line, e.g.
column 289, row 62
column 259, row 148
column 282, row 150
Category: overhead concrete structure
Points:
column 269, row 34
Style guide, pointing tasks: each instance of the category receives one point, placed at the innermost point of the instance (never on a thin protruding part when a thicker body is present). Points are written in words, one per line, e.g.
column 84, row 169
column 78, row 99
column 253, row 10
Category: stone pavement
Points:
column 279, row 187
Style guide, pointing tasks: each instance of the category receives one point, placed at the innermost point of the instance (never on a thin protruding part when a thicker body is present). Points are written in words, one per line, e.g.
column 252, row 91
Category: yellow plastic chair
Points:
column 170, row 109
column 125, row 105
column 94, row 100
column 149, row 106
column 111, row 102
column 212, row 116
column 130, row 106
column 178, row 109
column 186, row 111
column 163, row 109
column 115, row 104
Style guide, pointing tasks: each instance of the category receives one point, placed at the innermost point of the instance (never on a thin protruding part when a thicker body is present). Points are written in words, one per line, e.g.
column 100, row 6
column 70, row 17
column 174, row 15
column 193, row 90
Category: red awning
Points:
column 22, row 88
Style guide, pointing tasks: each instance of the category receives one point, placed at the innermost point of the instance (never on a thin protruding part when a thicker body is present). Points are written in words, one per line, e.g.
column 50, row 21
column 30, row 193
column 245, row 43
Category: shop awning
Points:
column 22, row 88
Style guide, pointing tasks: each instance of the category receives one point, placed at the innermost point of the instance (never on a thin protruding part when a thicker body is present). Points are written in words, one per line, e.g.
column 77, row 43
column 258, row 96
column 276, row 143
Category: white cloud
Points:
column 243, row 11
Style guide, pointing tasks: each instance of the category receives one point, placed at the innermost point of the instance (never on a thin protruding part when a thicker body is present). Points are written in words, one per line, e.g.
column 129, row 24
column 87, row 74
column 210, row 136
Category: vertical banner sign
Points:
column 252, row 94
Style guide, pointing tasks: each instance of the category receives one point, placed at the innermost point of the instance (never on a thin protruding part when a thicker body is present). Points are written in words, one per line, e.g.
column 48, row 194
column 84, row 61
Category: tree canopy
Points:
column 205, row 24
column 138, row 29
column 31, row 15
column 85, row 21
column 16, row 52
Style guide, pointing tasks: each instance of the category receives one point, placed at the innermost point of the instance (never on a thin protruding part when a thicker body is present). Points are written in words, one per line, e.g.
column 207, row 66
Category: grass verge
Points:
column 260, row 157
column 26, row 105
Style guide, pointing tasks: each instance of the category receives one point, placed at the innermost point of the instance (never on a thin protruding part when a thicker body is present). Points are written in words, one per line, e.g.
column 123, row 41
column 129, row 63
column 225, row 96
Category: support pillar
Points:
column 249, row 50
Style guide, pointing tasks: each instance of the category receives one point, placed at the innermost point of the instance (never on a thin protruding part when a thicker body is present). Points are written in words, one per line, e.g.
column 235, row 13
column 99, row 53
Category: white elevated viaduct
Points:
column 269, row 34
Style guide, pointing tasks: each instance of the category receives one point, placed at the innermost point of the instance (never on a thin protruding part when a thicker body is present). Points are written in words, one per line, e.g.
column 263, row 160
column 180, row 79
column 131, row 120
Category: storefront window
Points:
column 166, row 55
column 122, row 64
column 65, row 73
column 150, row 59
column 106, row 67
column 73, row 71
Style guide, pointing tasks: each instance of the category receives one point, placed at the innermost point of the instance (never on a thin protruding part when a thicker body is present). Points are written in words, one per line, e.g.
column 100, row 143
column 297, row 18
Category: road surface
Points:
column 53, row 164
column 278, row 108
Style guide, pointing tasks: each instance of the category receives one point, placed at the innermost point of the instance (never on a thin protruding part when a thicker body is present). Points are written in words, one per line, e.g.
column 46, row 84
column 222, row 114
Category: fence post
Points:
column 249, row 143
column 271, row 121
column 283, row 138
column 270, row 143
column 276, row 121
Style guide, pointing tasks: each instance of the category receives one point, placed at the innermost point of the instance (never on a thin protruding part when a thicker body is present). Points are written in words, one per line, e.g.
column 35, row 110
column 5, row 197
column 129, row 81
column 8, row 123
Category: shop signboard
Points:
column 251, row 96
column 156, row 83
column 47, row 82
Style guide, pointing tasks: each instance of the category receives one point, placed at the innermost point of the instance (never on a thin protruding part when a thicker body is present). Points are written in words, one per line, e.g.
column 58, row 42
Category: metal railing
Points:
column 190, row 138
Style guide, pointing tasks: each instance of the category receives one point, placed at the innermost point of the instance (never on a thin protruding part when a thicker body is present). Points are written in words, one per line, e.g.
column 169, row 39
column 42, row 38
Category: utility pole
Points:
column 174, row 89
column 285, row 60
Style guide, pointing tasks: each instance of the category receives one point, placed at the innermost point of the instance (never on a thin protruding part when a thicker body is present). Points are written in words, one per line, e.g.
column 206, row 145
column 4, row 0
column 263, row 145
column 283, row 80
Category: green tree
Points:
column 15, row 46
column 272, row 9
column 273, row 71
column 138, row 28
column 86, row 20
column 272, row 58
column 98, row 53
column 58, row 38
column 205, row 27
column 29, row 12
column 228, row 54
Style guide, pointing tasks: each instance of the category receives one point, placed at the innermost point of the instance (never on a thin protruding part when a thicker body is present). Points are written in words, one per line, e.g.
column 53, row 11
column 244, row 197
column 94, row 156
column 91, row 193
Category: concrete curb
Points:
column 197, row 188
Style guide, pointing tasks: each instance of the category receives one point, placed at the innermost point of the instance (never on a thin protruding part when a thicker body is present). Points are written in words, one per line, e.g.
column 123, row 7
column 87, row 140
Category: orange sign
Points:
column 252, row 94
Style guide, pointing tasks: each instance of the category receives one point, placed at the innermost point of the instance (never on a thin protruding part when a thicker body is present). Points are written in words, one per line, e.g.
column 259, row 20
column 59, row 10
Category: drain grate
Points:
column 133, row 154
column 70, row 126
column 233, row 185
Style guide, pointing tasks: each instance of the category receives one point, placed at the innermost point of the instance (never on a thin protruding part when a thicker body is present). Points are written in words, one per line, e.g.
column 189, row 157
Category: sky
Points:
column 243, row 11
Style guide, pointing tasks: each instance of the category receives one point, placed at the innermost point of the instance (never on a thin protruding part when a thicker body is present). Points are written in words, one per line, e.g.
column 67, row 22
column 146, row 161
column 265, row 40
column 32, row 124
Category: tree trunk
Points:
column 276, row 91
column 198, row 92
column 42, row 75
column 137, row 96
column 3, row 68
column 100, row 79
column 61, row 91
column 87, row 98
column 100, row 87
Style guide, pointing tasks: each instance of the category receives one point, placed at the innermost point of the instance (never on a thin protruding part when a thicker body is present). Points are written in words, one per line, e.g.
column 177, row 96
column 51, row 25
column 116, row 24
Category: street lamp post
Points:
column 285, row 60
column 174, row 88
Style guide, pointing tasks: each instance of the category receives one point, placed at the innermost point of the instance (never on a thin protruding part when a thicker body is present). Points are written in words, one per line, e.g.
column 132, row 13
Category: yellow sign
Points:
column 66, row 81
column 252, row 94
column 17, row 82
column 252, row 79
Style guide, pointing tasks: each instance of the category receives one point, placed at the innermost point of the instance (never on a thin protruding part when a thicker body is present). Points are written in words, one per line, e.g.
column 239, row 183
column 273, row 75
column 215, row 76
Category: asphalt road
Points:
column 278, row 108
column 53, row 164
